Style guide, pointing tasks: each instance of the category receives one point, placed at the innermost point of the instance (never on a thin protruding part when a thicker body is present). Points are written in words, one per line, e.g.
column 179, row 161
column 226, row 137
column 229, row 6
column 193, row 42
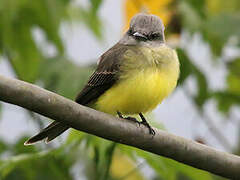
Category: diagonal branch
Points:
column 122, row 131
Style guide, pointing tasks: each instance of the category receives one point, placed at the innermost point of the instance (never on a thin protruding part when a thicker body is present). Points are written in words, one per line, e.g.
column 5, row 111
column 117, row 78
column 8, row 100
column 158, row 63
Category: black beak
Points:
column 140, row 36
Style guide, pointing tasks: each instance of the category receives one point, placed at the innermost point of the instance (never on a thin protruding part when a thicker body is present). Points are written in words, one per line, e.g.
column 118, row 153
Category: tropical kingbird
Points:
column 132, row 77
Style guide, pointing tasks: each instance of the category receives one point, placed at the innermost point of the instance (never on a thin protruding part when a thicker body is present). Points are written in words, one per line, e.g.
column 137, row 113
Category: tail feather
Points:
column 49, row 133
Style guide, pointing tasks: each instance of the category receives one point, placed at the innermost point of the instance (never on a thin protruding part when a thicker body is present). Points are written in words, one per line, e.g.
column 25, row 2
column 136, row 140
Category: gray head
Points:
column 144, row 29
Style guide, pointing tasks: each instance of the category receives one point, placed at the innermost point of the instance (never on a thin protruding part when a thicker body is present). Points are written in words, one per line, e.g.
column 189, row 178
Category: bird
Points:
column 131, row 78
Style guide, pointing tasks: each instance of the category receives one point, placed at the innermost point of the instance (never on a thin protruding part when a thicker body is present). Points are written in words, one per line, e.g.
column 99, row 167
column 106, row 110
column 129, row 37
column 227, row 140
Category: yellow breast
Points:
column 141, row 89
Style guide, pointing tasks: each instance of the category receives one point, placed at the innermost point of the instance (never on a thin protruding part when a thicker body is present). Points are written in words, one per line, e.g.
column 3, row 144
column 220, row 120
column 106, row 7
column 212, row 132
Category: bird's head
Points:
column 144, row 29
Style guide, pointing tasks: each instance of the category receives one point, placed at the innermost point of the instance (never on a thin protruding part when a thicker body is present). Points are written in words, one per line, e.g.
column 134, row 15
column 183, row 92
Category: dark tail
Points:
column 56, row 128
column 49, row 133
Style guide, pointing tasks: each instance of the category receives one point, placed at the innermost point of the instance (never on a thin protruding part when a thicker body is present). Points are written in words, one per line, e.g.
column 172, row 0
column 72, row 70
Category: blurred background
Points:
column 56, row 44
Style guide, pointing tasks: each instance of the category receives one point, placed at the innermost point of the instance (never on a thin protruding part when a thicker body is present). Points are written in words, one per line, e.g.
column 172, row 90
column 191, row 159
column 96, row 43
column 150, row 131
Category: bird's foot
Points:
column 119, row 114
column 145, row 123
column 133, row 119
column 128, row 118
column 151, row 130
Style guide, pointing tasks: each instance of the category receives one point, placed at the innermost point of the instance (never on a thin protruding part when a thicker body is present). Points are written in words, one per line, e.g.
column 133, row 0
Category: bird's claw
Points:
column 133, row 119
column 151, row 130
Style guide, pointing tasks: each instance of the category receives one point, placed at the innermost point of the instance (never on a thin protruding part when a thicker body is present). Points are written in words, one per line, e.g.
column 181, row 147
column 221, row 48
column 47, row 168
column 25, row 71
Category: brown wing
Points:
column 104, row 77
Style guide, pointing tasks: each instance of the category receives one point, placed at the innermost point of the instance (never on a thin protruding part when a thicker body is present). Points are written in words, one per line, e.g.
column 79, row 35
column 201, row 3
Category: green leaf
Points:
column 167, row 168
column 89, row 16
column 191, row 19
column 103, row 158
column 3, row 146
column 233, row 77
column 203, row 93
column 18, row 147
column 49, row 21
column 197, row 6
column 92, row 21
column 64, row 77
column 25, row 59
column 231, row 95
column 75, row 136
column 227, row 26
column 17, row 21
column 225, row 100
column 216, row 7
column 100, row 152
column 47, row 165
column 187, row 68
column 95, row 5
column 215, row 20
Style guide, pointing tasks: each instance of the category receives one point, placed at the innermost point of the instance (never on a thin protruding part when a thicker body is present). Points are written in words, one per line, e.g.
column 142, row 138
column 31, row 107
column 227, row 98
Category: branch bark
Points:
column 122, row 131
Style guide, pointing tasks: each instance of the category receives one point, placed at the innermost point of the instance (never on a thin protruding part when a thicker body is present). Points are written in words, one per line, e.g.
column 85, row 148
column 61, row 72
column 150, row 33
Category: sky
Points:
column 176, row 112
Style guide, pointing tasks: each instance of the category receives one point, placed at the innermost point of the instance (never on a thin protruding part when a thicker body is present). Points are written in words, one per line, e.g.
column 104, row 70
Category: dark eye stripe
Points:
column 154, row 36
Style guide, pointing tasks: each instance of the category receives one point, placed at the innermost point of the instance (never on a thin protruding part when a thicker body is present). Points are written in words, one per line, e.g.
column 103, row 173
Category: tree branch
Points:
column 122, row 131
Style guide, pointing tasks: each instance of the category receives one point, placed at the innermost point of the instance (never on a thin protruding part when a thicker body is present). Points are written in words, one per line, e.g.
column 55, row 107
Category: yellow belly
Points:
column 141, row 92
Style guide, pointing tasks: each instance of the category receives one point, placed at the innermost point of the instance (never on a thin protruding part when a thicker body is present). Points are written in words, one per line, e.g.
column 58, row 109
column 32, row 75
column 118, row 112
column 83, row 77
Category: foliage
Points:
column 217, row 21
column 47, row 165
column 18, row 19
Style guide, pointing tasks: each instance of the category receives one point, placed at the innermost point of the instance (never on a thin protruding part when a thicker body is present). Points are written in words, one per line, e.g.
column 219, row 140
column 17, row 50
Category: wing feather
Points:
column 105, row 75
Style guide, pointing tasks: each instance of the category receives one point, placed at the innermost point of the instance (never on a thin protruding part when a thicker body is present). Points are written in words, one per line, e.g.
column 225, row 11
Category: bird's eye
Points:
column 130, row 32
column 154, row 36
